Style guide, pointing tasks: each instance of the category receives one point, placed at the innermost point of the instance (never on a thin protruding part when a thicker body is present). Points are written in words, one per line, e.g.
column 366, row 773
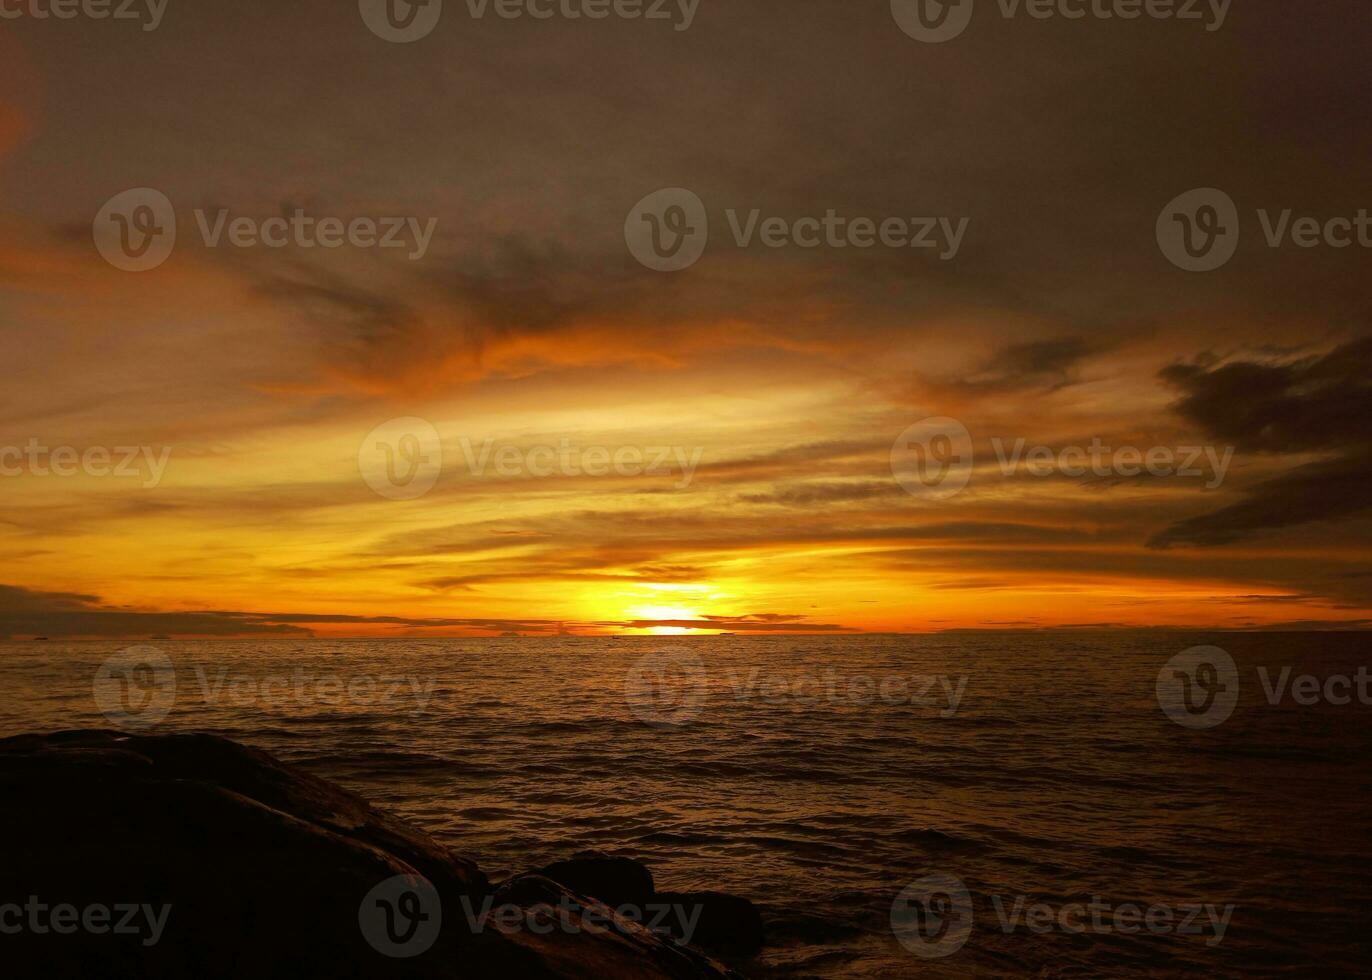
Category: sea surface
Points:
column 823, row 777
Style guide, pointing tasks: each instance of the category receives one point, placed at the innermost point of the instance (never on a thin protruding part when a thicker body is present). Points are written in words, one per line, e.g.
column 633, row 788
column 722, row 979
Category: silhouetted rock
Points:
column 229, row 864
column 727, row 925
column 572, row 935
column 616, row 881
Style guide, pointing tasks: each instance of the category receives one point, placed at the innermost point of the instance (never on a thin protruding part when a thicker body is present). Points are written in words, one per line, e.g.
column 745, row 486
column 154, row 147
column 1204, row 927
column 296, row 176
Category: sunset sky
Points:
column 787, row 373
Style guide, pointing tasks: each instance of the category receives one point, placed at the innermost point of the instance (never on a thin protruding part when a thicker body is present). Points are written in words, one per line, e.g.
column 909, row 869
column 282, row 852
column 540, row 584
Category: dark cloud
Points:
column 523, row 283
column 1316, row 404
column 25, row 612
column 349, row 310
column 1318, row 492
column 17, row 601
column 1047, row 364
column 1311, row 404
column 528, row 136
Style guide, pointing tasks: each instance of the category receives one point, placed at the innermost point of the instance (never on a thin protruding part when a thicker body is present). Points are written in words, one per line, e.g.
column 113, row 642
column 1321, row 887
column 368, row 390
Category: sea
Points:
column 1061, row 804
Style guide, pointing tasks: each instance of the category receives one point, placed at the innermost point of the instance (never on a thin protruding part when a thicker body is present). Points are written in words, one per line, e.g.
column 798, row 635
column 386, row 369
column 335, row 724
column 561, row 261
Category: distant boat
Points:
column 37, row 639
column 511, row 633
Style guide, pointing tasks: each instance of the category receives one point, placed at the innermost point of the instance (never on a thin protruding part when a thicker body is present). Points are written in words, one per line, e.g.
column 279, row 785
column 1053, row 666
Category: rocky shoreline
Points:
column 179, row 855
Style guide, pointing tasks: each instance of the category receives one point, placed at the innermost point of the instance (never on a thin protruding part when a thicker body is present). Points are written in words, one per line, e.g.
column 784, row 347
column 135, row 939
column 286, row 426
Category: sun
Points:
column 664, row 613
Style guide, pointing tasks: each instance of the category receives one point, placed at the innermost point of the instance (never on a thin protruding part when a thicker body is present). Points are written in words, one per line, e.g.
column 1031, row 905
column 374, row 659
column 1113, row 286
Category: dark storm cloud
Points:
column 1314, row 405
column 1318, row 492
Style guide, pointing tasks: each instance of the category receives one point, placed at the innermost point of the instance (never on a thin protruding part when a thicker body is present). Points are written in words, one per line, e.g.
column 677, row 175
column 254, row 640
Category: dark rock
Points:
column 728, row 925
column 616, row 881
column 260, row 870
column 570, row 935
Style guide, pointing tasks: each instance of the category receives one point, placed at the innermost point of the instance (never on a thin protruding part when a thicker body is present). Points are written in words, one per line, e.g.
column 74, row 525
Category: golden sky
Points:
column 770, row 384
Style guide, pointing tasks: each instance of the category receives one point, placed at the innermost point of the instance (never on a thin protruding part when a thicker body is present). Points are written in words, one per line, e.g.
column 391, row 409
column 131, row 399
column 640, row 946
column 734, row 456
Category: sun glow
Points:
column 664, row 613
